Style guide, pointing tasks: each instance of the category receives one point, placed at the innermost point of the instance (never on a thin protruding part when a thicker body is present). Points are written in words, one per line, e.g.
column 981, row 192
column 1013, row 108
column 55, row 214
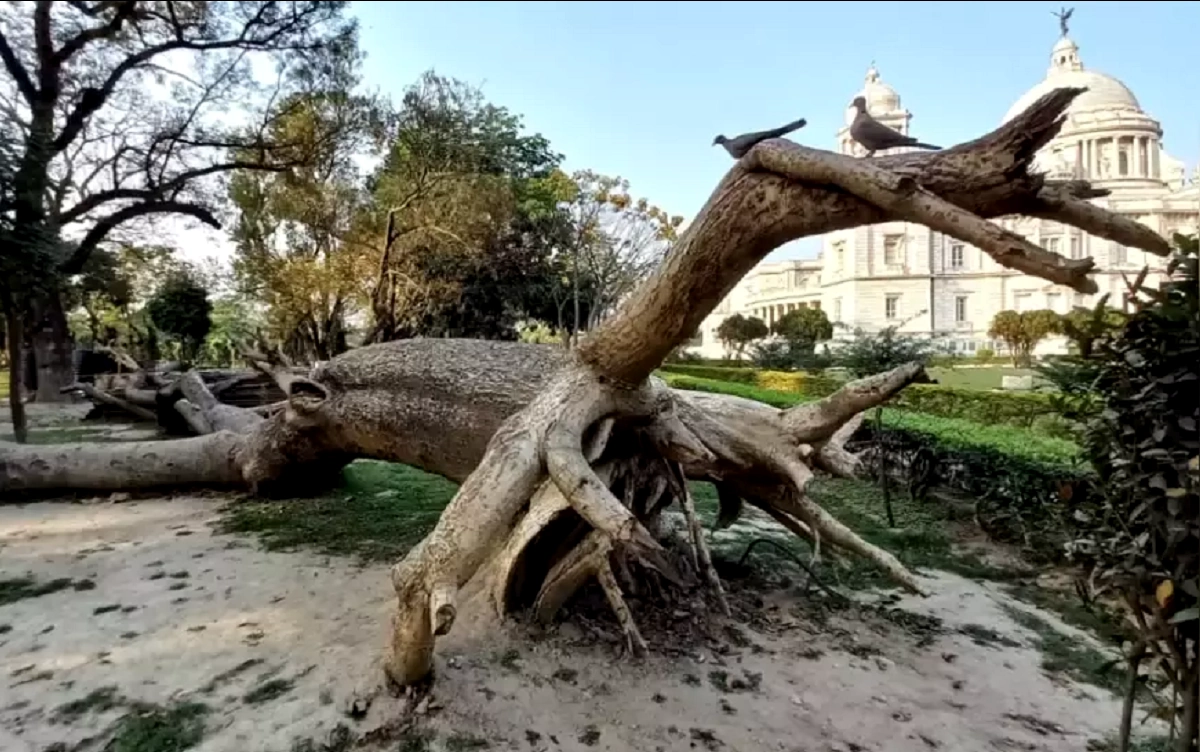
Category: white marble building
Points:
column 902, row 273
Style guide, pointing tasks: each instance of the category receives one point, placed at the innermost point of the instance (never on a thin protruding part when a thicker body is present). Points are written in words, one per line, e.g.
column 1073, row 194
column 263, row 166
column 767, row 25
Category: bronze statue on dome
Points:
column 1063, row 17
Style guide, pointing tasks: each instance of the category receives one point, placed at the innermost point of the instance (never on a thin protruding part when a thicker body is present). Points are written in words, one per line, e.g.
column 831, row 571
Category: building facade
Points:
column 906, row 275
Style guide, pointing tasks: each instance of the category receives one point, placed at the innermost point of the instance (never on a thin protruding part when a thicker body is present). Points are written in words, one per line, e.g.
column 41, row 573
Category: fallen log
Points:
column 102, row 397
column 566, row 460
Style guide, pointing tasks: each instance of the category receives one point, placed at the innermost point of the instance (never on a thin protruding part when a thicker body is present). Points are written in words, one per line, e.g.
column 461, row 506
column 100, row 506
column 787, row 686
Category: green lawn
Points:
column 383, row 509
column 380, row 511
column 982, row 378
column 956, row 432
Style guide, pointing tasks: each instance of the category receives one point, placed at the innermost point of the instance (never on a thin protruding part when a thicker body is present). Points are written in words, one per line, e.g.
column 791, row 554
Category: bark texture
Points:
column 568, row 458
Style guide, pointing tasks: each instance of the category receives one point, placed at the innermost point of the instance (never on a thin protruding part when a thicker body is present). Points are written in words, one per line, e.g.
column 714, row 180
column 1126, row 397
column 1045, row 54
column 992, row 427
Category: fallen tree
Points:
column 568, row 459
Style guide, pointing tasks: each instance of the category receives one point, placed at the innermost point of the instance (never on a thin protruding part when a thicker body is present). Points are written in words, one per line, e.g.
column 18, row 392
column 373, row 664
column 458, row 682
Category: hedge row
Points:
column 959, row 432
column 1020, row 480
column 782, row 381
column 1020, row 409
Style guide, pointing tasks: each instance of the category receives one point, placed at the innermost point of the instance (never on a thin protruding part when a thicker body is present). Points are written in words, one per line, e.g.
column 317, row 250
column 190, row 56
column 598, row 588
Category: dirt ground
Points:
column 163, row 610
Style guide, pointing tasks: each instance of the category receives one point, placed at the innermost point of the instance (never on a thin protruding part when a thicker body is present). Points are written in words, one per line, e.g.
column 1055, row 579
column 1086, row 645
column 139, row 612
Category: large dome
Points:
column 1066, row 70
column 882, row 99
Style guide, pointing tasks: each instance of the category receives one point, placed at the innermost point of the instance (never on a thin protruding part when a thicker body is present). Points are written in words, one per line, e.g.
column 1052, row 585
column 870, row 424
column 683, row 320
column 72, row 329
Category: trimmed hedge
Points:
column 1020, row 480
column 1020, row 409
column 781, row 381
column 950, row 431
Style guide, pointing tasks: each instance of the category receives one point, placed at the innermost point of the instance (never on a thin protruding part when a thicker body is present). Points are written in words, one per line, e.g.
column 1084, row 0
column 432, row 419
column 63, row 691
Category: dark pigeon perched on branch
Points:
column 876, row 136
column 738, row 146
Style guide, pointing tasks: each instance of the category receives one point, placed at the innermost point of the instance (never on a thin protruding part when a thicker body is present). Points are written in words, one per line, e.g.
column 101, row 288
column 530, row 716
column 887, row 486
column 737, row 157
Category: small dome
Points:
column 1066, row 70
column 881, row 98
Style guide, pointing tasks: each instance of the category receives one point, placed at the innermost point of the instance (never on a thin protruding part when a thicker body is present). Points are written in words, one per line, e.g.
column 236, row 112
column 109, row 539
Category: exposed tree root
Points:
column 777, row 192
column 567, row 460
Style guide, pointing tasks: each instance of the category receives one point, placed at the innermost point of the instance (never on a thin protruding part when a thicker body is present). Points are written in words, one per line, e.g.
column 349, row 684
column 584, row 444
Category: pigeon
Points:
column 739, row 146
column 874, row 135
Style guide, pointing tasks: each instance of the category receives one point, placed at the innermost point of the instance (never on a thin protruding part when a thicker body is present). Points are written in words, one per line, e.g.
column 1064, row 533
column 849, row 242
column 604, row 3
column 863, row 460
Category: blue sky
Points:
column 639, row 89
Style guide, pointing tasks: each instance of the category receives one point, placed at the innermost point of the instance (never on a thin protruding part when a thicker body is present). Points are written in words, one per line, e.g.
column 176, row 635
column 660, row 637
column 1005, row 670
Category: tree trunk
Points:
column 15, row 336
column 586, row 450
column 52, row 348
column 1125, row 730
column 885, row 486
column 1189, row 727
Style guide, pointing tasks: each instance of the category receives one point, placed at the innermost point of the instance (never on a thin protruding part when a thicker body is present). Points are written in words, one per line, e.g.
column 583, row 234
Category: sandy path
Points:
column 319, row 622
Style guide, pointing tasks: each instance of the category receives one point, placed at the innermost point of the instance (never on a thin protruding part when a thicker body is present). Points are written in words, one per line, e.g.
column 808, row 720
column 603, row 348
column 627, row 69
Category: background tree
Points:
column 1140, row 534
column 618, row 240
column 1084, row 327
column 462, row 197
column 130, row 110
column 107, row 301
column 101, row 291
column 18, row 278
column 738, row 331
column 300, row 245
column 869, row 353
column 803, row 328
column 181, row 311
column 1022, row 332
column 235, row 322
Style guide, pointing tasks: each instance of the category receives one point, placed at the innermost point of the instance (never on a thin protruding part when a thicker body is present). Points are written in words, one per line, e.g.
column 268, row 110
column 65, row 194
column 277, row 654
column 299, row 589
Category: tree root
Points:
column 538, row 508
column 584, row 519
column 810, row 574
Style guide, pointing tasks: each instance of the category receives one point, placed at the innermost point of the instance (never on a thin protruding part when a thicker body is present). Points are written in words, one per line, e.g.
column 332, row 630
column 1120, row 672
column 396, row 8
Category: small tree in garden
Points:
column 180, row 310
column 738, row 331
column 1144, row 519
column 799, row 332
column 1023, row 331
column 869, row 354
column 1083, row 327
column 803, row 328
column 1073, row 376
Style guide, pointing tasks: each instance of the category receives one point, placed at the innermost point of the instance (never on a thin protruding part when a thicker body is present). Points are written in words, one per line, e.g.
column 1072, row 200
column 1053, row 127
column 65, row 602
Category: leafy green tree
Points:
column 127, row 111
column 181, row 311
column 738, row 331
column 803, row 328
column 464, row 203
column 1084, row 327
column 300, row 244
column 100, row 290
column 868, row 353
column 1022, row 332
column 235, row 323
column 1140, row 533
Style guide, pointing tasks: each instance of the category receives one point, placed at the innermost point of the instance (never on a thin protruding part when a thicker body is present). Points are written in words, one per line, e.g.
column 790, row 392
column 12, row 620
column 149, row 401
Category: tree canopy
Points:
column 181, row 311
column 803, row 328
column 738, row 331
column 1022, row 332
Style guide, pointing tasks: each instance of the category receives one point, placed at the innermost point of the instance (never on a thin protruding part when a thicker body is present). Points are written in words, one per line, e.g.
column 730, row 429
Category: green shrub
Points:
column 985, row 355
column 782, row 381
column 1018, row 478
column 1020, row 409
column 952, row 431
column 736, row 374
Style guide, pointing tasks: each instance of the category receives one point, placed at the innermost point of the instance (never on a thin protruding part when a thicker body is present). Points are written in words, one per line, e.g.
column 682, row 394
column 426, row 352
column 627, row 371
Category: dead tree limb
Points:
column 103, row 397
column 543, row 504
column 776, row 193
